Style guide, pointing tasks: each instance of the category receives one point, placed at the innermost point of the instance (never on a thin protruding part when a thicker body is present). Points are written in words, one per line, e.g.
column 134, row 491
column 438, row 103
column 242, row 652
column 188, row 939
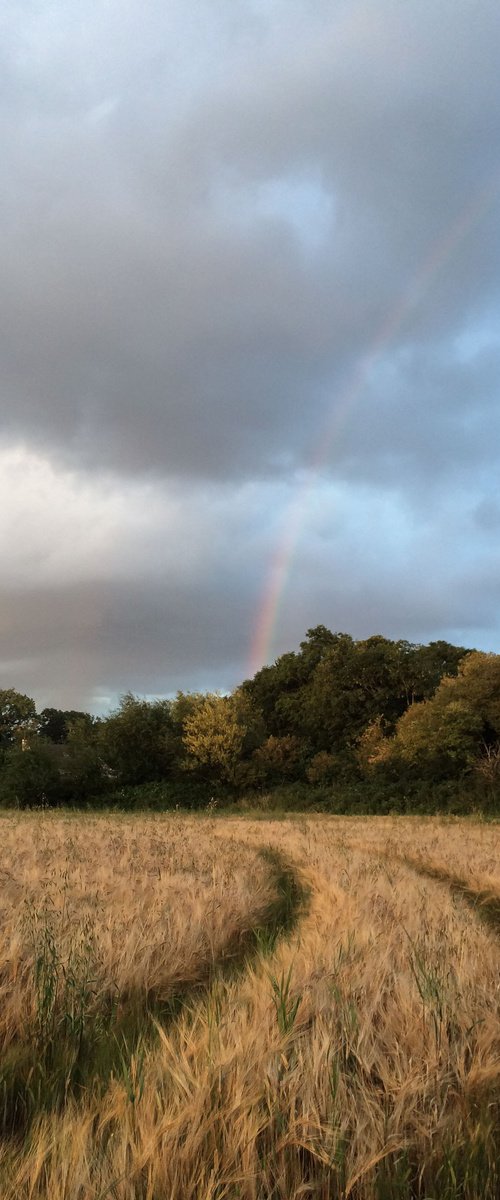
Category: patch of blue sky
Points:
column 300, row 203
column 475, row 339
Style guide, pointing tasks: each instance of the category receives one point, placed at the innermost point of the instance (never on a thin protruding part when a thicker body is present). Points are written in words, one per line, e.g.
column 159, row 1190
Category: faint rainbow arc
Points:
column 296, row 513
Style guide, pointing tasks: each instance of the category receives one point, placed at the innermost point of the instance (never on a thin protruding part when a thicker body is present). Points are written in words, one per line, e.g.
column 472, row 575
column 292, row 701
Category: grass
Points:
column 213, row 1007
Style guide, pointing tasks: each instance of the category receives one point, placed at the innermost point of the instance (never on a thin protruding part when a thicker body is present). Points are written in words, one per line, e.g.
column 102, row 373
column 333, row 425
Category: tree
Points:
column 79, row 759
column 30, row 778
column 274, row 691
column 477, row 683
column 137, row 742
column 184, row 705
column 278, row 758
column 446, row 735
column 425, row 666
column 317, row 644
column 322, row 767
column 55, row 723
column 354, row 683
column 18, row 717
column 218, row 733
column 278, row 691
column 438, row 740
column 373, row 748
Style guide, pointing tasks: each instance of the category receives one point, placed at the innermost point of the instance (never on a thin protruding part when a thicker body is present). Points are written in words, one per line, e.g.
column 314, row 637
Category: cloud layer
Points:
column 243, row 245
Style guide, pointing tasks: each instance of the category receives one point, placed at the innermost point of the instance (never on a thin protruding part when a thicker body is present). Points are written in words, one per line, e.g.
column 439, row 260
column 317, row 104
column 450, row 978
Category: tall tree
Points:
column 55, row 723
column 137, row 740
column 18, row 717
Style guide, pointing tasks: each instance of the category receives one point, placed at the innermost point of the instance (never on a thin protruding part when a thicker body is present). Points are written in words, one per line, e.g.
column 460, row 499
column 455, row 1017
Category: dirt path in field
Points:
column 267, row 926
column 483, row 899
column 131, row 1019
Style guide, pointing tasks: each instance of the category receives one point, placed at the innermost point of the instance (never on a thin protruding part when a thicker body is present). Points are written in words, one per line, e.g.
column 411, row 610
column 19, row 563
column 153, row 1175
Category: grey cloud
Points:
column 434, row 586
column 240, row 241
column 143, row 329
column 426, row 420
column 80, row 644
column 361, row 566
column 487, row 515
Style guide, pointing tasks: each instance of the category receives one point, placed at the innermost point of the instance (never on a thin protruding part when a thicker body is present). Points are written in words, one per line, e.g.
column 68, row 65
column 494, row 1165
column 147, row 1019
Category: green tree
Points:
column 55, row 723
column 274, row 691
column 184, row 705
column 137, row 742
column 423, row 667
column 375, row 680
column 79, row 759
column 18, row 717
column 329, row 692
column 351, row 686
column 30, row 778
column 277, row 691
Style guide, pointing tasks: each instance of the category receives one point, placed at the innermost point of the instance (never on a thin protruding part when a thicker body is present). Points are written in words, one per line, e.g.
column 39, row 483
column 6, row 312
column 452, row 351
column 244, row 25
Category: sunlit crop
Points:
column 214, row 1007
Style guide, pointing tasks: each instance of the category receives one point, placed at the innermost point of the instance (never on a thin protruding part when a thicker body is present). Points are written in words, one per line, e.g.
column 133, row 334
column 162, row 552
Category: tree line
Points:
column 369, row 725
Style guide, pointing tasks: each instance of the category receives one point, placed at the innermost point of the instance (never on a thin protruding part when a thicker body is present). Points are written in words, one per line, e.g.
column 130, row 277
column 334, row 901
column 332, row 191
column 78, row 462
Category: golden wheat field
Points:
column 216, row 1007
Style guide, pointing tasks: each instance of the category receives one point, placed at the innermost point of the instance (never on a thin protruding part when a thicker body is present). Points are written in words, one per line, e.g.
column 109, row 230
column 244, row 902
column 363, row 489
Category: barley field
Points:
column 216, row 1007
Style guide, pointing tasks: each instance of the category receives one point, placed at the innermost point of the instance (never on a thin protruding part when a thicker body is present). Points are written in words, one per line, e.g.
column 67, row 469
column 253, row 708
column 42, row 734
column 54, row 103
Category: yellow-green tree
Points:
column 218, row 733
column 277, row 758
column 374, row 747
column 437, row 735
column 452, row 731
column 321, row 767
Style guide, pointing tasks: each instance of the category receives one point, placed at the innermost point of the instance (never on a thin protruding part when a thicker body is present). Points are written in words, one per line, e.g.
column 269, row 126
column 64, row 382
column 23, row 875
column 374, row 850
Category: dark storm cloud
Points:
column 157, row 314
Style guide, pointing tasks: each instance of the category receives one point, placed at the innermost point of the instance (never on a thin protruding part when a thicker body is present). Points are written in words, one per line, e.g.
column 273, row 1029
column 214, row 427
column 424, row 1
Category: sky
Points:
column 249, row 335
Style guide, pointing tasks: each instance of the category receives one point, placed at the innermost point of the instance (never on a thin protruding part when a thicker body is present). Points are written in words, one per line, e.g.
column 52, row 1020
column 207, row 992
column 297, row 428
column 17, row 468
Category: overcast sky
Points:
column 250, row 338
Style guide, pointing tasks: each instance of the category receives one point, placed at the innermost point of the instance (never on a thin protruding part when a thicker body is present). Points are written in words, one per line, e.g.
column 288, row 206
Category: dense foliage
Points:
column 371, row 725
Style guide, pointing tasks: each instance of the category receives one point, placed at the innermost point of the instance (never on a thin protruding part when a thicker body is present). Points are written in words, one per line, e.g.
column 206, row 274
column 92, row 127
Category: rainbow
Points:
column 296, row 514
